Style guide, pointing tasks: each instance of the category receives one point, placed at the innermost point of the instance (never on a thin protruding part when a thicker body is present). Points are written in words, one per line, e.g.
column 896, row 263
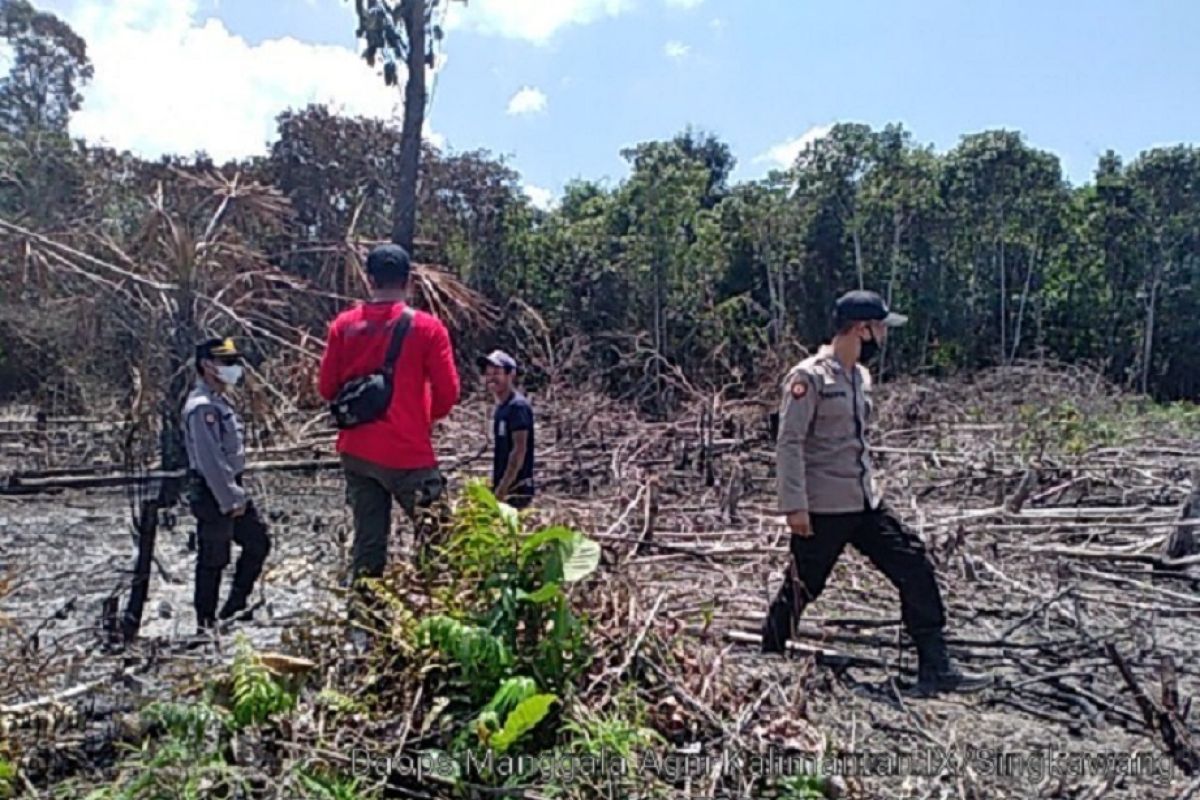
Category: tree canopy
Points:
column 991, row 251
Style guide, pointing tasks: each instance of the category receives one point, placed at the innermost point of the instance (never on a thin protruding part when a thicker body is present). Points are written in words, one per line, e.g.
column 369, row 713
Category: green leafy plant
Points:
column 339, row 702
column 403, row 621
column 320, row 786
column 8, row 777
column 190, row 723
column 513, row 642
column 800, row 787
column 519, row 704
column 481, row 658
column 511, row 694
column 515, row 582
column 620, row 730
column 483, row 538
column 180, row 765
column 521, row 720
column 257, row 696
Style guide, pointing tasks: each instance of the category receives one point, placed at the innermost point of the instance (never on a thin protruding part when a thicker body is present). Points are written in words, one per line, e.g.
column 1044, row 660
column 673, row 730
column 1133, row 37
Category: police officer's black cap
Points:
column 222, row 349
column 389, row 261
column 498, row 358
column 865, row 306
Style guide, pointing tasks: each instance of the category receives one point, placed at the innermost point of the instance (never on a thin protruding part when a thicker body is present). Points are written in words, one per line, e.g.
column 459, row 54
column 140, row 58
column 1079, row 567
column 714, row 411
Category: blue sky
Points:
column 560, row 86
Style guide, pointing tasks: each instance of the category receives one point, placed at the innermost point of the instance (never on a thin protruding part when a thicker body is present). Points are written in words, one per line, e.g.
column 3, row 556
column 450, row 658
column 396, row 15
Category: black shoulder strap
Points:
column 398, row 334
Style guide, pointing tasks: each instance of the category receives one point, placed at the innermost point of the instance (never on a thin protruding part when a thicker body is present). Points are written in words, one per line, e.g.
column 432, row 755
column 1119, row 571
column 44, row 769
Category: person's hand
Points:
column 799, row 523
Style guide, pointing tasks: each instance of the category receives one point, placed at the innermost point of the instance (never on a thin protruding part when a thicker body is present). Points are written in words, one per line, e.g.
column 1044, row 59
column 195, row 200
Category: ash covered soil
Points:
column 1051, row 597
column 72, row 551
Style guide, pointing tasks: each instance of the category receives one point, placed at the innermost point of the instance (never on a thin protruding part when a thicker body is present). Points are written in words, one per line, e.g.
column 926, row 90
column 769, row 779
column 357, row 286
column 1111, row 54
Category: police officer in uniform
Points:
column 213, row 436
column 825, row 489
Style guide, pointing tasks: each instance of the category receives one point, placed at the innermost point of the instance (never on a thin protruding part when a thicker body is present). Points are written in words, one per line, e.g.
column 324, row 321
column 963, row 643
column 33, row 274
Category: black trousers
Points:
column 892, row 547
column 215, row 534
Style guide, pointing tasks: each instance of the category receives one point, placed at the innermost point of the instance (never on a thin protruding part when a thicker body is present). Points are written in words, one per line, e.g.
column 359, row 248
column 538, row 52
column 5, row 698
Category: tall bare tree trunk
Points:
column 897, row 231
column 775, row 268
column 774, row 331
column 1024, row 296
column 660, row 252
column 404, row 221
column 858, row 260
column 1003, row 305
column 1148, row 337
column 781, row 275
column 172, row 457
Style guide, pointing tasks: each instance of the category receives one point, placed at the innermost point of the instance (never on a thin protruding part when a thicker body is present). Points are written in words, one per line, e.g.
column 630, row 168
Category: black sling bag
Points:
column 367, row 398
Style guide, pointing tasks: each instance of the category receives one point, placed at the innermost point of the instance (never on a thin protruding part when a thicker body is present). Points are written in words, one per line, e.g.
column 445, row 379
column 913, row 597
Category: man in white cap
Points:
column 512, row 429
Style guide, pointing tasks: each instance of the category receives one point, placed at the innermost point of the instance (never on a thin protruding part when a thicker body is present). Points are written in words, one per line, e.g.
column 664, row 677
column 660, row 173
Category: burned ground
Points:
column 1045, row 511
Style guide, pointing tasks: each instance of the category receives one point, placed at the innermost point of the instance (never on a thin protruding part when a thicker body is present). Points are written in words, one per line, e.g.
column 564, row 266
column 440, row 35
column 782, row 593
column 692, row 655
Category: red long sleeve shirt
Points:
column 425, row 380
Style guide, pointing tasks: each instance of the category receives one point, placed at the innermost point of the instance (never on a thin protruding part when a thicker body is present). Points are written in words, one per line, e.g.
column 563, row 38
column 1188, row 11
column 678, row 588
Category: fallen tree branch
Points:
column 1173, row 734
column 20, row 485
column 1102, row 555
column 824, row 656
column 21, row 709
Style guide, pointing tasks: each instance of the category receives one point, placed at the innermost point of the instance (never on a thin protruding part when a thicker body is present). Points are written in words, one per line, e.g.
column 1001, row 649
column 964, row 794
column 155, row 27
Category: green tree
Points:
column 661, row 202
column 1169, row 180
column 40, row 167
column 1001, row 198
column 50, row 66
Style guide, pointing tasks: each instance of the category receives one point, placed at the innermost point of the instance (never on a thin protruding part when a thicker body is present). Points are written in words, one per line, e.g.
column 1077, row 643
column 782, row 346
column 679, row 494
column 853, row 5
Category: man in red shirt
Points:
column 392, row 456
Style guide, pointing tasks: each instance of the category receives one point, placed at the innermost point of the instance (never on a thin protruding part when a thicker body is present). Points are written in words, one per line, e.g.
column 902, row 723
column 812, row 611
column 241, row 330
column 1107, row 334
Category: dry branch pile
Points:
column 196, row 265
column 1045, row 497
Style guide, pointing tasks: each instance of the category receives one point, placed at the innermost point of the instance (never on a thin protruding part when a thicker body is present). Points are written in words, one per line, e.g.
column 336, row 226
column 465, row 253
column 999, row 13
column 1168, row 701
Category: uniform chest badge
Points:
column 799, row 389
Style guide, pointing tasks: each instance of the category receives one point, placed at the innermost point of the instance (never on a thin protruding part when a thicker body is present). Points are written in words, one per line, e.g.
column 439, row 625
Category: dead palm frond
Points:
column 437, row 291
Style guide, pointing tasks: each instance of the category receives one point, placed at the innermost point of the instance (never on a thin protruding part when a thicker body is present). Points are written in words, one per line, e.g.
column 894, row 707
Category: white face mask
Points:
column 229, row 374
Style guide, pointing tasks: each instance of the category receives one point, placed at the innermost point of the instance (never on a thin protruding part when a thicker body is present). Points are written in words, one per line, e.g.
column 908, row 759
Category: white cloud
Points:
column 674, row 49
column 717, row 24
column 784, row 154
column 533, row 20
column 684, row 3
column 166, row 84
column 433, row 137
column 540, row 197
column 528, row 100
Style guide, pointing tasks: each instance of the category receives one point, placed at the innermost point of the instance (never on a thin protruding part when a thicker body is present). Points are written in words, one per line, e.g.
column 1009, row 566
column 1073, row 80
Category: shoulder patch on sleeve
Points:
column 799, row 387
column 210, row 417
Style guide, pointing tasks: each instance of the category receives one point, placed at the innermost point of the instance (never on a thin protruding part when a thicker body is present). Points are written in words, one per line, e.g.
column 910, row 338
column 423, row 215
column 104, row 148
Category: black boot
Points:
column 255, row 547
column 235, row 603
column 206, row 634
column 935, row 673
column 776, row 628
column 208, row 585
column 244, row 576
